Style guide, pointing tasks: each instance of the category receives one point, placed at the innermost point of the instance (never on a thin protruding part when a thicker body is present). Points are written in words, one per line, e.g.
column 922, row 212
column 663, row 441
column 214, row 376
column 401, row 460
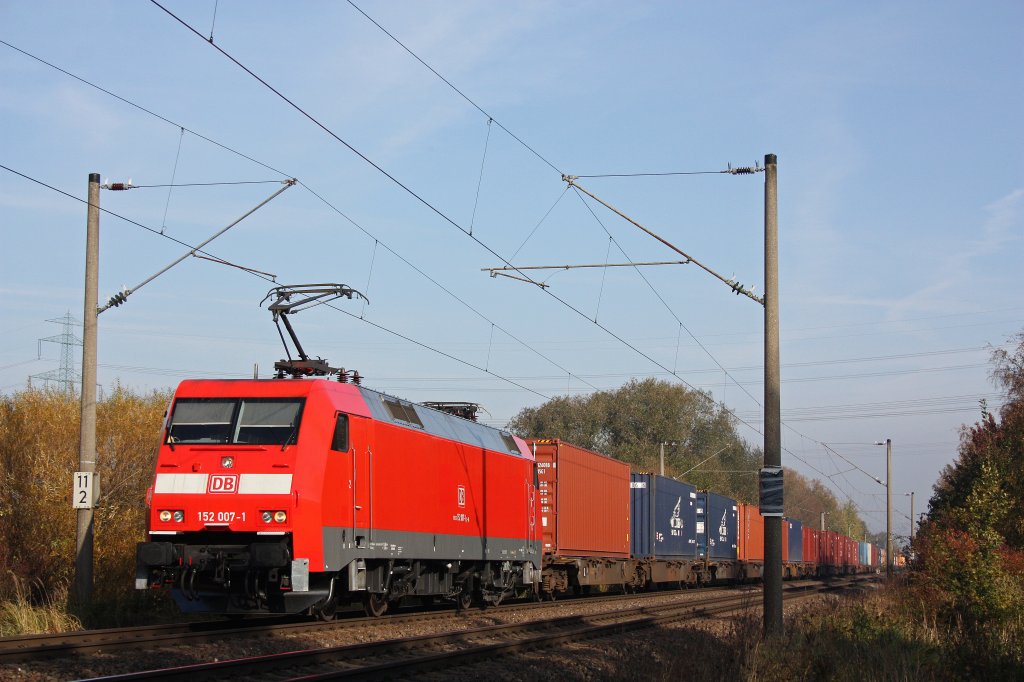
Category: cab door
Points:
column 353, row 436
column 361, row 447
column 531, row 505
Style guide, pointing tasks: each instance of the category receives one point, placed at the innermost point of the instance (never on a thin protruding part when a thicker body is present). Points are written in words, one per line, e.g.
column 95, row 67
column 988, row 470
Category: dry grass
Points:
column 894, row 633
column 38, row 451
column 29, row 611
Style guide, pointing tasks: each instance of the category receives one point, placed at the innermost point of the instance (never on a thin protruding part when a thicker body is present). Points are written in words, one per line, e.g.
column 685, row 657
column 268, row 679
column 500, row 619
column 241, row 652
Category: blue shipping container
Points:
column 716, row 526
column 864, row 553
column 663, row 517
column 796, row 540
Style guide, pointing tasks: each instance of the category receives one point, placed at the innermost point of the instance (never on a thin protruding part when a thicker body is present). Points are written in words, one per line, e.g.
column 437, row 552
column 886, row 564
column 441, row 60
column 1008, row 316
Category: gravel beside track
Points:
column 291, row 638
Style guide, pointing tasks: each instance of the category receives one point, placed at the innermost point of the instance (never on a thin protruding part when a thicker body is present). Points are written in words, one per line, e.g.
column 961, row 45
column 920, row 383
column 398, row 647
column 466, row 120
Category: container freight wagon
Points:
column 793, row 536
column 663, row 521
column 750, row 541
column 584, row 518
column 864, row 554
column 827, row 560
column 717, row 526
column 289, row 496
column 811, row 550
column 852, row 557
column 785, row 541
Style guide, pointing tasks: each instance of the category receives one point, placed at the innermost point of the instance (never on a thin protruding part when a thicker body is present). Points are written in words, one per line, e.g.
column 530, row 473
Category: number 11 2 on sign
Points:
column 86, row 490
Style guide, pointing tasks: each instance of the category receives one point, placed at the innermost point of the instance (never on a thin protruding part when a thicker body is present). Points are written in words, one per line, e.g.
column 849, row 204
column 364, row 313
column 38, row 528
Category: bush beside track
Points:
column 39, row 433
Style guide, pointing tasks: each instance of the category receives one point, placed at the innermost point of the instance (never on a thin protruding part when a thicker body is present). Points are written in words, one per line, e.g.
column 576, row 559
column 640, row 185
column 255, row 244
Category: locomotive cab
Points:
column 221, row 516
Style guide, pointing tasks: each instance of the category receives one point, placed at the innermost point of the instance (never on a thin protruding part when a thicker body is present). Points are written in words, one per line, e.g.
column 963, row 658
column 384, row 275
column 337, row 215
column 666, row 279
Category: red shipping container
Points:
column 584, row 501
column 810, row 545
column 785, row 540
column 750, row 540
column 830, row 548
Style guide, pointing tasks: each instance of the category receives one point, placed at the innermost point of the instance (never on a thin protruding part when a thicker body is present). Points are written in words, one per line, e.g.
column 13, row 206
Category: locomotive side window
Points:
column 404, row 412
column 249, row 421
column 510, row 443
column 340, row 441
column 201, row 421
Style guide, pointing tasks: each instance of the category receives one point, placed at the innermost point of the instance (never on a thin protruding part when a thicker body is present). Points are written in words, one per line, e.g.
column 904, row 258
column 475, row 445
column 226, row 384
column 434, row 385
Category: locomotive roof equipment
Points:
column 292, row 298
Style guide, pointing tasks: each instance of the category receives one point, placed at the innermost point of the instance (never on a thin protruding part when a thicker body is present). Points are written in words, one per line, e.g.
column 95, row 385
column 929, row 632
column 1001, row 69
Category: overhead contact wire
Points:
column 460, row 93
column 436, row 283
column 430, row 206
column 144, row 109
column 261, row 164
column 423, row 201
column 269, row 279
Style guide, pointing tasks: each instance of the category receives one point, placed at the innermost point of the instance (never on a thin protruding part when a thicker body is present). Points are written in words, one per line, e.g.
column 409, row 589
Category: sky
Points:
column 901, row 203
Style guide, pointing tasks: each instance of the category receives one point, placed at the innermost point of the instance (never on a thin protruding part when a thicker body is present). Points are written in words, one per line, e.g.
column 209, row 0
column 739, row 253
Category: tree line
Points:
column 970, row 549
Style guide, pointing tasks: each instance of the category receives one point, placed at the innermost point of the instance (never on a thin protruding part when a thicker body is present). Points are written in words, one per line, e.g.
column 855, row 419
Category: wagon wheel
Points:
column 464, row 600
column 375, row 604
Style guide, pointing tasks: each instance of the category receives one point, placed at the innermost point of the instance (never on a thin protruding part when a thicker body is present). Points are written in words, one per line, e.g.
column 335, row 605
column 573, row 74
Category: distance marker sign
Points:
column 86, row 490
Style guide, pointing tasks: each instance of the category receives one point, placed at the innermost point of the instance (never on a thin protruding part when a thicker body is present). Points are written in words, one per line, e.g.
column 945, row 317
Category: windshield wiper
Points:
column 288, row 440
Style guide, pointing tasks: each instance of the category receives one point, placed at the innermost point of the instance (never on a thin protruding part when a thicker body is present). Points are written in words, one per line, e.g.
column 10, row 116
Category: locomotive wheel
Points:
column 375, row 604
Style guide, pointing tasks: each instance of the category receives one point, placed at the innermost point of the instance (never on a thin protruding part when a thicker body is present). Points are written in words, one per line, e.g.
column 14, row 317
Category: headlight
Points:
column 268, row 517
column 179, row 515
column 227, row 462
column 280, row 516
column 165, row 516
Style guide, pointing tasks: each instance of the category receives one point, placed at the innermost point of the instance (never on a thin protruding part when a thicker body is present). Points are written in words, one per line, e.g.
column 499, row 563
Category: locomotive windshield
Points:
column 248, row 421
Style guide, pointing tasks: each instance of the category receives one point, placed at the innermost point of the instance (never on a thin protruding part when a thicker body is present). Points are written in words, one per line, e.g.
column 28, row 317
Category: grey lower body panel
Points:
column 344, row 545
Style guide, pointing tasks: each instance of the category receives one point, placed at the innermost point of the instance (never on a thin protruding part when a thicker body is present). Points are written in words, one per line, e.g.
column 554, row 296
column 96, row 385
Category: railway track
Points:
column 38, row 647
column 409, row 656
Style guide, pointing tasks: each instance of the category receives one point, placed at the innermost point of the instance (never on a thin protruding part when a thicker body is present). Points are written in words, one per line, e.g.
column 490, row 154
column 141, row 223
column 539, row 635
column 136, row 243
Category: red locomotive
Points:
column 286, row 495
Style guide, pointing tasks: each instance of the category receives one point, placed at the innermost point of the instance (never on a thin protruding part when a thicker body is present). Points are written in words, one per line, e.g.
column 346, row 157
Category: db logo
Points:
column 223, row 483
column 462, row 496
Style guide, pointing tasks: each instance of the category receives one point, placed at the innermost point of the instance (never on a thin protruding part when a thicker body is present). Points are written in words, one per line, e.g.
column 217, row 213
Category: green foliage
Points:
column 39, row 436
column 969, row 551
column 965, row 557
column 992, row 446
column 631, row 422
